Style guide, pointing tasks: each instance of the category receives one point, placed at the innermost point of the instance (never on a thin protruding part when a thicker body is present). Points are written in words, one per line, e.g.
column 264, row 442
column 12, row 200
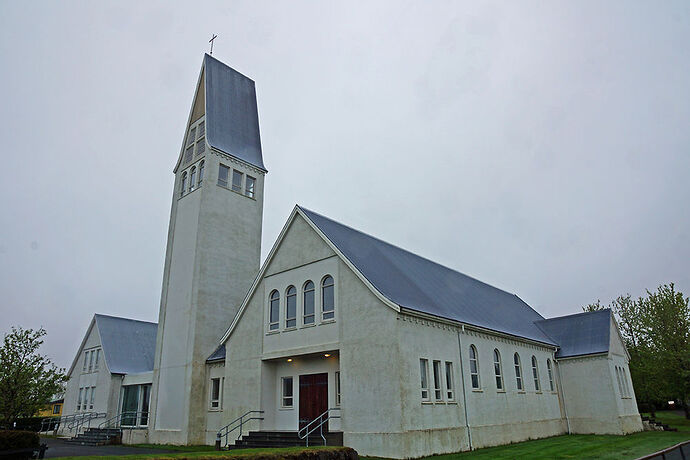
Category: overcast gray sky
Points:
column 543, row 147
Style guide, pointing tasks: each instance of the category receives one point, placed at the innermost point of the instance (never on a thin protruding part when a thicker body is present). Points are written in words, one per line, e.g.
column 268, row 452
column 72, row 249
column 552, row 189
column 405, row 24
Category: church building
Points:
column 337, row 331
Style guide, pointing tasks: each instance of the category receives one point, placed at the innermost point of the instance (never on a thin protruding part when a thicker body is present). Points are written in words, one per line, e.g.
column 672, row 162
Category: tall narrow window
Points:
column 86, row 361
column 91, row 360
column 188, row 153
column 250, row 186
column 184, row 184
column 518, row 372
column 93, row 392
column 535, row 373
column 201, row 172
column 438, row 394
column 424, row 373
column 95, row 363
column 291, row 307
column 215, row 393
column 550, row 371
column 201, row 143
column 620, row 380
column 85, row 401
column 474, row 367
column 237, row 181
column 286, row 396
column 337, row 388
column 201, row 130
column 327, row 298
column 450, row 388
column 498, row 369
column 223, row 172
column 625, row 383
column 81, row 391
column 274, row 311
column 192, row 136
column 192, row 179
column 308, row 303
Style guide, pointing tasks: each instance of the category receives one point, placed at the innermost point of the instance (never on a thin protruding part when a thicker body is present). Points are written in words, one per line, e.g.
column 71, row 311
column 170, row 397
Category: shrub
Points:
column 16, row 439
column 28, row 424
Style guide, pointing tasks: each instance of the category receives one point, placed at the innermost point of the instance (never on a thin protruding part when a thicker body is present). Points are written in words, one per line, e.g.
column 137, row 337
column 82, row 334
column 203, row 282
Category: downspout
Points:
column 562, row 390
column 464, row 393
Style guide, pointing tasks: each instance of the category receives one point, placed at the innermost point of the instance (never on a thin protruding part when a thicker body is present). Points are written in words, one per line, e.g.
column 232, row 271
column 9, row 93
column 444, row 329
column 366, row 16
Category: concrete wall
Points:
column 107, row 384
column 214, row 416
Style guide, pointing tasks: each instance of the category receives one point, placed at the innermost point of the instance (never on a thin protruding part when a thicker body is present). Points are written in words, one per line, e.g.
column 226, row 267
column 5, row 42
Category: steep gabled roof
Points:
column 128, row 345
column 232, row 119
column 418, row 284
column 218, row 355
column 581, row 334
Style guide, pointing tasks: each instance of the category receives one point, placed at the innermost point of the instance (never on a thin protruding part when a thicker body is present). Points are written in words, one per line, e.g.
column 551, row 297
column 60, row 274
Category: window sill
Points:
column 326, row 321
column 235, row 191
column 452, row 402
column 289, row 329
column 538, row 392
column 522, row 392
column 215, row 410
column 427, row 403
column 440, row 401
column 304, row 326
column 500, row 391
column 286, row 408
column 272, row 332
column 188, row 193
column 477, row 390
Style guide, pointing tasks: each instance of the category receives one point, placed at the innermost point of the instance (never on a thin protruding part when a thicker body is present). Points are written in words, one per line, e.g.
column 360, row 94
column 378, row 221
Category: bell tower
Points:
column 213, row 249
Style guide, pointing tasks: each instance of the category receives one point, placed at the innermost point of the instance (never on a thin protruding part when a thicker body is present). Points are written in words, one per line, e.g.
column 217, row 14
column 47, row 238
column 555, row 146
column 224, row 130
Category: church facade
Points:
column 404, row 356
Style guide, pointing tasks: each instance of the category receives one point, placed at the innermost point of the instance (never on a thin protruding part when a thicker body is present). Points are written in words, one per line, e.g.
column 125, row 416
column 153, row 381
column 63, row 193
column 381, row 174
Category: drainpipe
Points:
column 464, row 393
column 562, row 389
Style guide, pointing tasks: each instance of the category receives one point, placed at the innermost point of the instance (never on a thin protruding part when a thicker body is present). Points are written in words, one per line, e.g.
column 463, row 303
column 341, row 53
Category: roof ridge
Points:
column 413, row 253
column 607, row 309
column 123, row 318
column 206, row 55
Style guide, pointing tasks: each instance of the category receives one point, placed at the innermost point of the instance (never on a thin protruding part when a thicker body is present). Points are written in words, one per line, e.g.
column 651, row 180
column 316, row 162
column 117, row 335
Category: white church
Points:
column 337, row 332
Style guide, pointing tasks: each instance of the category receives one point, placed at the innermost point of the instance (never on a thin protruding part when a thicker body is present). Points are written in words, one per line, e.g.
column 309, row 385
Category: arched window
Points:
column 535, row 373
column 518, row 372
column 550, row 371
column 201, row 172
column 291, row 307
column 274, row 311
column 327, row 298
column 474, row 367
column 192, row 179
column 498, row 369
column 184, row 184
column 308, row 302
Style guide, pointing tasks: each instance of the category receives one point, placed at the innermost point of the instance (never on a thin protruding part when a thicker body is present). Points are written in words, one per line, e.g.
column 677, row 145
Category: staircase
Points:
column 285, row 439
column 652, row 425
column 97, row 437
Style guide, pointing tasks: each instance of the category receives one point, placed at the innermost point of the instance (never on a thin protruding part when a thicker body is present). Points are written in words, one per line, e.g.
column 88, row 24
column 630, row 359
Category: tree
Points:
column 27, row 379
column 656, row 331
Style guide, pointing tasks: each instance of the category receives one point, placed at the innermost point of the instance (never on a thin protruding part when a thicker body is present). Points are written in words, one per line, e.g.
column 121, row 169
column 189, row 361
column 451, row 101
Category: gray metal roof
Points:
column 581, row 334
column 218, row 355
column 416, row 283
column 232, row 119
column 128, row 345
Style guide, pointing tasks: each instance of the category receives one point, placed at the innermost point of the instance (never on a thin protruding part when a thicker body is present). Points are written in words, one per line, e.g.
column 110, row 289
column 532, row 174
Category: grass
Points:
column 197, row 455
column 580, row 446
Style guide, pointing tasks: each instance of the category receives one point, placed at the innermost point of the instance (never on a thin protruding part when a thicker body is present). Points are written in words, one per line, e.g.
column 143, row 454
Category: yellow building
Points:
column 52, row 409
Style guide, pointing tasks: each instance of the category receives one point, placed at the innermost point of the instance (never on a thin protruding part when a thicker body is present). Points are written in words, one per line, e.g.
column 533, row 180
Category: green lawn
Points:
column 201, row 453
column 587, row 446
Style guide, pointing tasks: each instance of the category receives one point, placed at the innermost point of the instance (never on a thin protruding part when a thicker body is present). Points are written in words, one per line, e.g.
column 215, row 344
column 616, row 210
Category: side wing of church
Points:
column 338, row 331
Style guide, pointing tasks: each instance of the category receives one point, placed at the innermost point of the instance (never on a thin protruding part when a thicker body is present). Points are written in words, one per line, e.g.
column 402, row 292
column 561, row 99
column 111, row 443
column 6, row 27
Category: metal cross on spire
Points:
column 214, row 36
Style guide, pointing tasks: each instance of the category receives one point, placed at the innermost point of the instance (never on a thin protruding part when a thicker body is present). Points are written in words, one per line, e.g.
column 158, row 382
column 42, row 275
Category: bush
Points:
column 16, row 439
column 28, row 424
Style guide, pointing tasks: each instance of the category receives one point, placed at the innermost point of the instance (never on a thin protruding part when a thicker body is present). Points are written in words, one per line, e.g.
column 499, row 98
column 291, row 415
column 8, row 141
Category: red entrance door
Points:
column 313, row 397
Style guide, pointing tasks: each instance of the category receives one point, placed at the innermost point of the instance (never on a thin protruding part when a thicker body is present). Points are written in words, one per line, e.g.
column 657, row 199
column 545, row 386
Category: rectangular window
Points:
column 192, row 136
column 424, row 372
column 93, row 391
column 81, row 391
column 201, row 146
column 250, row 186
column 223, row 172
column 188, row 154
column 86, row 361
column 56, row 409
column 450, row 395
column 286, row 390
column 85, row 401
column 95, row 363
column 438, row 394
column 201, row 130
column 237, row 181
column 91, row 353
column 215, row 393
column 337, row 388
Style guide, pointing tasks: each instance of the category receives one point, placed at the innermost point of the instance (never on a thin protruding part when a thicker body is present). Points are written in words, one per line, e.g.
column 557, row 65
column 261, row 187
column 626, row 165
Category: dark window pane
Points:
column 291, row 307
column 223, row 172
column 236, row 181
column 249, row 187
column 309, row 303
column 327, row 298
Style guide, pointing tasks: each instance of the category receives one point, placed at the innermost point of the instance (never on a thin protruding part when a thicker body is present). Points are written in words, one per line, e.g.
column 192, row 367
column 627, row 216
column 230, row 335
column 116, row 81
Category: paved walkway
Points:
column 60, row 448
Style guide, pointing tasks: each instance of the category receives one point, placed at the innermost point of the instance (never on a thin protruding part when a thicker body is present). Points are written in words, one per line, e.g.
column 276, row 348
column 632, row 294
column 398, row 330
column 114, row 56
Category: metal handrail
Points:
column 320, row 421
column 239, row 423
column 136, row 415
column 81, row 419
